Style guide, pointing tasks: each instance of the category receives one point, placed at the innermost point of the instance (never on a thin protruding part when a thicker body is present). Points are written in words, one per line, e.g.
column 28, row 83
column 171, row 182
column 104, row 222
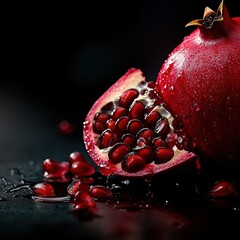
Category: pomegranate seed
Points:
column 163, row 154
column 141, row 142
column 83, row 200
column 121, row 124
column 127, row 98
column 119, row 112
column 152, row 118
column 118, row 152
column 76, row 157
column 100, row 192
column 133, row 162
column 137, row 110
column 172, row 139
column 82, row 169
column 43, row 189
column 98, row 127
column 129, row 139
column 107, row 169
column 134, row 126
column 66, row 128
column 146, row 152
column 162, row 127
column 106, row 139
column 111, row 124
column 78, row 185
column 147, row 134
column 223, row 189
column 54, row 171
column 101, row 117
column 158, row 142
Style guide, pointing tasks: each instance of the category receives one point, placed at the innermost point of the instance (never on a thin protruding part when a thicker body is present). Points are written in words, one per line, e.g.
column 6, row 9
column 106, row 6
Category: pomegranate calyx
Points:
column 210, row 17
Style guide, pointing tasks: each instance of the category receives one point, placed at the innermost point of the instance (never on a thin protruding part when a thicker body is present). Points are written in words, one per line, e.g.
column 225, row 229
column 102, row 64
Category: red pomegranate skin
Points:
column 200, row 84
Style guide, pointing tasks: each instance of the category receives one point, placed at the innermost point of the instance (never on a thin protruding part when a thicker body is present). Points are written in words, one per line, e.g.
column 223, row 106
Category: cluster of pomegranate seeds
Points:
column 78, row 174
column 136, row 130
column 223, row 189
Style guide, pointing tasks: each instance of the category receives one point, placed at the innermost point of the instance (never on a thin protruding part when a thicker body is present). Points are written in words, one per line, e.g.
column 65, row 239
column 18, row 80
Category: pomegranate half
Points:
column 200, row 84
column 129, row 132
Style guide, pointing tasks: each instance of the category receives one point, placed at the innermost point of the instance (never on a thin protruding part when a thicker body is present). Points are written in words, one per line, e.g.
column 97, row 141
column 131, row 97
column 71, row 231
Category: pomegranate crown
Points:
column 209, row 17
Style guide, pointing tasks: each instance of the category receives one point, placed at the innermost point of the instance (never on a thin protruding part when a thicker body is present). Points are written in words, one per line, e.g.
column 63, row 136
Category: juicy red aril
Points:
column 78, row 185
column 66, row 128
column 121, row 124
column 133, row 162
column 152, row 118
column 163, row 154
column 106, row 139
column 158, row 142
column 54, row 171
column 162, row 127
column 134, row 126
column 43, row 189
column 129, row 139
column 146, row 133
column 102, row 117
column 82, row 169
column 83, row 200
column 223, row 189
column 117, row 153
column 146, row 152
column 137, row 110
column 100, row 192
column 126, row 99
column 119, row 112
column 76, row 157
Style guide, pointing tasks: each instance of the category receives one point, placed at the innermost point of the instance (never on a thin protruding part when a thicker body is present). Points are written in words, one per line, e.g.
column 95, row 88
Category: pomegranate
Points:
column 200, row 84
column 129, row 132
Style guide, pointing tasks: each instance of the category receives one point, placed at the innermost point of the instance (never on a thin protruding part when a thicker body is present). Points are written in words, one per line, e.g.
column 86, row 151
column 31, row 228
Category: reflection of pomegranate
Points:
column 129, row 132
column 200, row 84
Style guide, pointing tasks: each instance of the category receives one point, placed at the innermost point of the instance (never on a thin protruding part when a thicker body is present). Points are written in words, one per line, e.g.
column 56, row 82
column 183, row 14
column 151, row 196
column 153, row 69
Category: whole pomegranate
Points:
column 200, row 85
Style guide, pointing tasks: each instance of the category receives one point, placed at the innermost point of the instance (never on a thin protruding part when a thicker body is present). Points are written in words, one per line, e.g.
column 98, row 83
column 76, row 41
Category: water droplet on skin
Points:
column 196, row 107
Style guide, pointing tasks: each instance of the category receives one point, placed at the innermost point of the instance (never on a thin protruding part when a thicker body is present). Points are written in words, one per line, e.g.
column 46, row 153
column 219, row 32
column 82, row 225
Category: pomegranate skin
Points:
column 200, row 84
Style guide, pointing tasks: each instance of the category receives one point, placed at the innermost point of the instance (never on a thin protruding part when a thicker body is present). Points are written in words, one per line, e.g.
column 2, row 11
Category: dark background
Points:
column 55, row 61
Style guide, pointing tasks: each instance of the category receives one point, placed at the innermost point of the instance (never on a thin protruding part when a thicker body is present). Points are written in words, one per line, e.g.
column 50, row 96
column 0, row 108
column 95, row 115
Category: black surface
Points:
column 55, row 61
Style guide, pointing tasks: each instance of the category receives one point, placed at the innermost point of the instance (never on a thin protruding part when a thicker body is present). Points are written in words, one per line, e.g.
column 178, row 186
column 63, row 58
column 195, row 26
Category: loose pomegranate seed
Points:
column 163, row 154
column 137, row 110
column 82, row 169
column 118, row 152
column 100, row 192
column 133, row 162
column 66, row 128
column 172, row 139
column 126, row 99
column 76, row 157
column 83, row 200
column 54, row 171
column 78, row 185
column 223, row 189
column 43, row 189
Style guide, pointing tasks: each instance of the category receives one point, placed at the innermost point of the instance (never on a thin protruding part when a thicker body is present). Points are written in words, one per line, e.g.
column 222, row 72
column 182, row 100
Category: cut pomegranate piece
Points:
column 129, row 132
